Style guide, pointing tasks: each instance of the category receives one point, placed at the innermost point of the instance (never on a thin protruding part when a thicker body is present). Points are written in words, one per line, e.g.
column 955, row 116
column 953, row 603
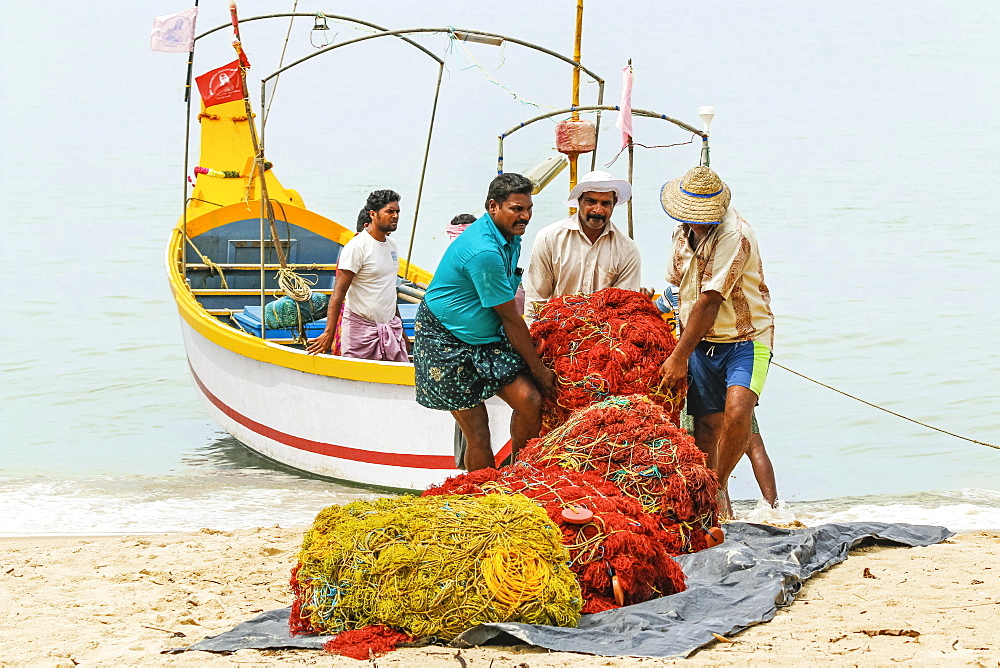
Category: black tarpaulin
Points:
column 737, row 584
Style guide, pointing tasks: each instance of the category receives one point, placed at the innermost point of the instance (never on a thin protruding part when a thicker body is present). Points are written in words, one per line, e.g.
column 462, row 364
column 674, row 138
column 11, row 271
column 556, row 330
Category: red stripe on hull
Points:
column 328, row 449
column 503, row 454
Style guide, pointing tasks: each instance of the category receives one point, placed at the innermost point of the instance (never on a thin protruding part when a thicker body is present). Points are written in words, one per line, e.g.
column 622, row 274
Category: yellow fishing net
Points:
column 433, row 566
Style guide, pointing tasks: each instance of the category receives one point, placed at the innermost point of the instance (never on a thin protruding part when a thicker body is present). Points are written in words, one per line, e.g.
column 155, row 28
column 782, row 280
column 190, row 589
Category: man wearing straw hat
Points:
column 727, row 328
column 584, row 252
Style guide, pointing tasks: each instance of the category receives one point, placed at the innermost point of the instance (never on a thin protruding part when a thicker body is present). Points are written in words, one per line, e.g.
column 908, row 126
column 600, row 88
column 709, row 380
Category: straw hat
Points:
column 698, row 197
column 600, row 182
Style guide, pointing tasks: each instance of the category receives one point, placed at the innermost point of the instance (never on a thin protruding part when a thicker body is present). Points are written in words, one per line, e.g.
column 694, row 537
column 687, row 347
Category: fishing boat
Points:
column 241, row 230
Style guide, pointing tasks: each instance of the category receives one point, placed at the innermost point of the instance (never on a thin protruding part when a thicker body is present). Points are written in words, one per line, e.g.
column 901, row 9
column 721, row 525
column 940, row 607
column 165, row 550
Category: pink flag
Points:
column 174, row 33
column 624, row 122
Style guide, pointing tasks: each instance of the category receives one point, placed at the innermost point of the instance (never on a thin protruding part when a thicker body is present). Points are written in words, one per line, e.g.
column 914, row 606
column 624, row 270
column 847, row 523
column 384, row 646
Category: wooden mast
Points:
column 631, row 156
column 576, row 87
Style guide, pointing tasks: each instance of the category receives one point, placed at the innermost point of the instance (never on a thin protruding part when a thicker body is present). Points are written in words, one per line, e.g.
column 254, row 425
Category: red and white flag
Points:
column 174, row 33
column 221, row 84
column 624, row 122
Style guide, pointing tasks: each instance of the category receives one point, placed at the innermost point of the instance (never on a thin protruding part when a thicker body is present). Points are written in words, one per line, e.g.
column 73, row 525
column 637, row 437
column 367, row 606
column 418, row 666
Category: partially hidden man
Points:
column 365, row 288
column 727, row 328
column 584, row 252
column 470, row 342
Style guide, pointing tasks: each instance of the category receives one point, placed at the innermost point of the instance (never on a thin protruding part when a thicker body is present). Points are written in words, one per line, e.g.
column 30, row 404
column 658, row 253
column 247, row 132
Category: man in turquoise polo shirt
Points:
column 471, row 343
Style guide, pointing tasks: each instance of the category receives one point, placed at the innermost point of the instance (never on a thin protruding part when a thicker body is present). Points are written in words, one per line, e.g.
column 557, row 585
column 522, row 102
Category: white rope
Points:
column 868, row 403
column 295, row 286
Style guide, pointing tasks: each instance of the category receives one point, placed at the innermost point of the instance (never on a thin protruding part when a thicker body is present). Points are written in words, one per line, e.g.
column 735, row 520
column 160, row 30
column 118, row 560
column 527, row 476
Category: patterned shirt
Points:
column 564, row 262
column 728, row 262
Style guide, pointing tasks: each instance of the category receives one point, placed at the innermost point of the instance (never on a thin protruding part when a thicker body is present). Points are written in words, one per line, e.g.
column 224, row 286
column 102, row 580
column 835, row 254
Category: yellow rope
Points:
column 436, row 566
column 298, row 288
column 211, row 265
column 514, row 577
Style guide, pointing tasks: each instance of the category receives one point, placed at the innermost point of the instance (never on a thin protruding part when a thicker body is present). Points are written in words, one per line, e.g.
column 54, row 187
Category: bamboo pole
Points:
column 645, row 113
column 631, row 155
column 187, row 148
column 573, row 157
column 631, row 231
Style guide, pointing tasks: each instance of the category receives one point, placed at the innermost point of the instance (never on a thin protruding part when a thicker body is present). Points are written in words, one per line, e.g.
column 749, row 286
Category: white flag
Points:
column 174, row 33
column 624, row 122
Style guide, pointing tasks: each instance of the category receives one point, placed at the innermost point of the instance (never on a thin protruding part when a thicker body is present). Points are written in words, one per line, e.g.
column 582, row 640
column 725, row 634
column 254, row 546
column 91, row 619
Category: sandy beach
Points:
column 123, row 600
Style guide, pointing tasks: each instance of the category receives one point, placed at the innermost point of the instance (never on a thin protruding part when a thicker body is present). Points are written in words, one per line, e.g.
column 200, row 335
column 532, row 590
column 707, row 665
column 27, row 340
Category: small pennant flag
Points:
column 221, row 84
column 174, row 33
column 624, row 122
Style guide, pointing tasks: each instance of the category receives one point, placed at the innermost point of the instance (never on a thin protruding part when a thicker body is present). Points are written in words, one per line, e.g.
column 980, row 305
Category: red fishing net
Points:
column 608, row 343
column 631, row 442
column 297, row 623
column 619, row 542
column 366, row 642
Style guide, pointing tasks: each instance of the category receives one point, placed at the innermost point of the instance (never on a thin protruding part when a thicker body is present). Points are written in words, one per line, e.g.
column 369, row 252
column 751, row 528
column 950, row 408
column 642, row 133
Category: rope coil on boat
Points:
column 295, row 286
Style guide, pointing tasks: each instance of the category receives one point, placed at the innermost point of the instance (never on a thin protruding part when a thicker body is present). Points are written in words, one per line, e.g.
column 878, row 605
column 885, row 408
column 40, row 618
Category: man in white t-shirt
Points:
column 366, row 289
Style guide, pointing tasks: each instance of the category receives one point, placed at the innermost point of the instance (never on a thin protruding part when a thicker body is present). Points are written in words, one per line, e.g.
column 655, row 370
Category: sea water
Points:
column 860, row 142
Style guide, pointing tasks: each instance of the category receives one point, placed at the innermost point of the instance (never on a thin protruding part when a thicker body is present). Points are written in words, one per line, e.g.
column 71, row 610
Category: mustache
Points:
column 597, row 216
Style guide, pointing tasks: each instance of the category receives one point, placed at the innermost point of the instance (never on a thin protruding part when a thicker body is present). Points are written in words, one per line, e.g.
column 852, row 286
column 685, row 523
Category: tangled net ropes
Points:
column 368, row 642
column 608, row 343
column 620, row 542
column 631, row 442
column 433, row 566
column 587, row 519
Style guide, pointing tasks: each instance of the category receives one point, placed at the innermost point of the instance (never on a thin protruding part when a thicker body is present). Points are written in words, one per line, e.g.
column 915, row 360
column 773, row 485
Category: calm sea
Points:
column 860, row 139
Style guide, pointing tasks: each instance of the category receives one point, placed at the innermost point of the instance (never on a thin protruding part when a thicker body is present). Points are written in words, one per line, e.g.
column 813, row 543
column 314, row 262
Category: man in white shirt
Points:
column 366, row 289
column 585, row 252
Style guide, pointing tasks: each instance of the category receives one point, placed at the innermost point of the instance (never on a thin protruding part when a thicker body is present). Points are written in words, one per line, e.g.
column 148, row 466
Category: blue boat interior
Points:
column 234, row 250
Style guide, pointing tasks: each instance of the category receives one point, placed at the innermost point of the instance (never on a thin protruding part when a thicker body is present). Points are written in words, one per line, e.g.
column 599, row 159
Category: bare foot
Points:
column 725, row 506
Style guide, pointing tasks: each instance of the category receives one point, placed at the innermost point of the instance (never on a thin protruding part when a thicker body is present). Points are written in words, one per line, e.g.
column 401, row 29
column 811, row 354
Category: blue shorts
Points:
column 714, row 367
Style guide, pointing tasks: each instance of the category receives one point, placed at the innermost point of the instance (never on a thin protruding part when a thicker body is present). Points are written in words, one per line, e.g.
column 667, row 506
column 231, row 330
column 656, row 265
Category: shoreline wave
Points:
column 250, row 499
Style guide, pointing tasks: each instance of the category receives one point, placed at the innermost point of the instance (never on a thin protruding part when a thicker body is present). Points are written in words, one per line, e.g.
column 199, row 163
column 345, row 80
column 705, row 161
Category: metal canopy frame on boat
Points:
column 454, row 33
column 599, row 108
column 187, row 89
column 335, row 17
column 263, row 117
column 402, row 33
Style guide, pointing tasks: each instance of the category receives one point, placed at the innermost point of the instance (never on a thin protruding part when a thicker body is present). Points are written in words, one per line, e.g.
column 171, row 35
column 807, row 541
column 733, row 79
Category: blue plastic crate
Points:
column 250, row 321
column 408, row 313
